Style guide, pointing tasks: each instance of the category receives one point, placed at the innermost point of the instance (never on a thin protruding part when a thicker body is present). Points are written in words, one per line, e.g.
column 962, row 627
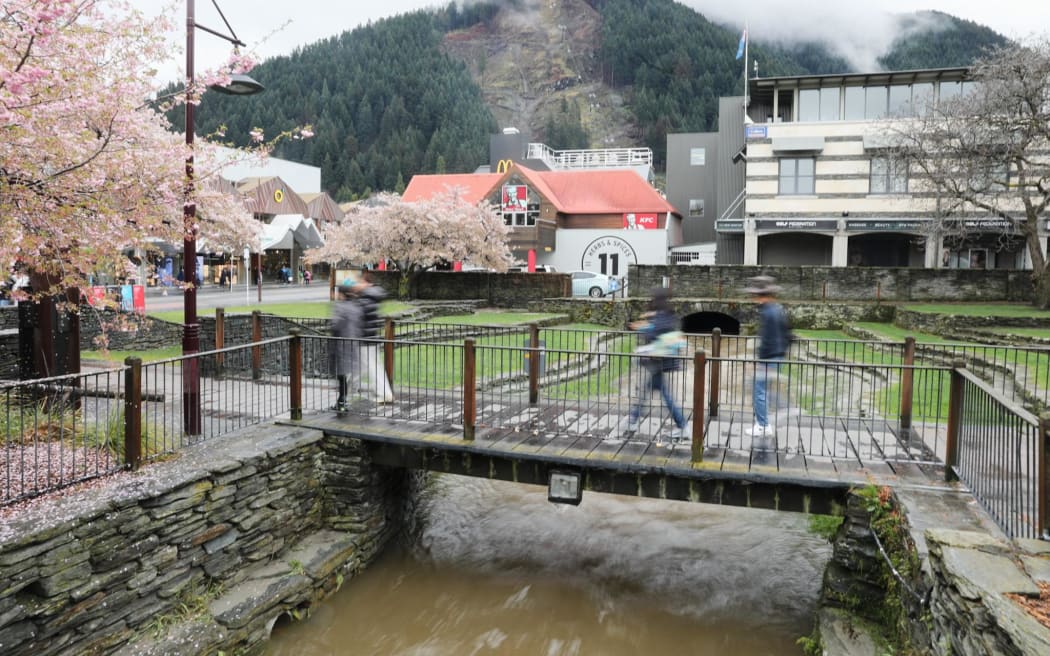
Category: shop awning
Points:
column 288, row 229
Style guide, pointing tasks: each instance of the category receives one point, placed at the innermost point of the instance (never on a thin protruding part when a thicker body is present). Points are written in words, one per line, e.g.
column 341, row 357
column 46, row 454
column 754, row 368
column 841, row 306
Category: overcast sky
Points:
column 857, row 30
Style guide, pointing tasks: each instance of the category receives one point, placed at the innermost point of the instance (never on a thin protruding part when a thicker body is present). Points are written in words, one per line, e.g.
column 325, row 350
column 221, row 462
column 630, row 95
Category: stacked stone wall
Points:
column 267, row 524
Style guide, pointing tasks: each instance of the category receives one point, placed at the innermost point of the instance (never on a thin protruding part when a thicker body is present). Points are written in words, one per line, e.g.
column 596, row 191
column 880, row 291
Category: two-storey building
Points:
column 821, row 186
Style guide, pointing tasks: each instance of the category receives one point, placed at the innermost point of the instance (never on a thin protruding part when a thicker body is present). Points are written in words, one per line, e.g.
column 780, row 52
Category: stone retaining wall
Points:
column 270, row 523
column 816, row 283
column 957, row 605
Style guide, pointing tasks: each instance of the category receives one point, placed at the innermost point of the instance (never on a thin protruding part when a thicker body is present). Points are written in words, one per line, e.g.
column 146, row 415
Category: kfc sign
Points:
column 639, row 221
column 515, row 198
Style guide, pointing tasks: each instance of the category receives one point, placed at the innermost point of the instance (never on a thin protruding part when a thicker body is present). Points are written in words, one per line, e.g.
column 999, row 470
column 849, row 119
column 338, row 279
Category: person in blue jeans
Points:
column 654, row 326
column 774, row 339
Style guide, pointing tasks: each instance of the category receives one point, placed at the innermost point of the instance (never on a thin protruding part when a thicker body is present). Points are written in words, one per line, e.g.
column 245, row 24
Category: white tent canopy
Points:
column 288, row 230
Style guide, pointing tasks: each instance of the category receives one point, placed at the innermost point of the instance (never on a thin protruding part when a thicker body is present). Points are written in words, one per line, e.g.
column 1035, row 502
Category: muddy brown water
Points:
column 496, row 569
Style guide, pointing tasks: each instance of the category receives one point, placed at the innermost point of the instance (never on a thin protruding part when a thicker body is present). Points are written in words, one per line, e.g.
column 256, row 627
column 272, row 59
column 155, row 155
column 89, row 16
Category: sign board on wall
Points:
column 515, row 198
column 609, row 255
column 641, row 221
column 756, row 132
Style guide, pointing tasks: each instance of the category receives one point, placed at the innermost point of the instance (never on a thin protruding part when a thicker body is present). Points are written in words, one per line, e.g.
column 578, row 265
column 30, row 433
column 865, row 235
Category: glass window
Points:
column 950, row 90
column 796, row 175
column 829, row 104
column 921, row 97
column 874, row 102
column 696, row 207
column 854, row 110
column 697, row 156
column 900, row 100
column 888, row 176
column 809, row 105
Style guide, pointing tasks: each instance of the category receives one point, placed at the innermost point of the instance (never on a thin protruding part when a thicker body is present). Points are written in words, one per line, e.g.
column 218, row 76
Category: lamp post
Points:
column 239, row 85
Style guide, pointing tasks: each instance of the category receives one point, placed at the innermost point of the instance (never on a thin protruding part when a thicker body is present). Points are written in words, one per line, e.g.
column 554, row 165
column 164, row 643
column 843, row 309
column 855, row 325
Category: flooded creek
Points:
column 496, row 569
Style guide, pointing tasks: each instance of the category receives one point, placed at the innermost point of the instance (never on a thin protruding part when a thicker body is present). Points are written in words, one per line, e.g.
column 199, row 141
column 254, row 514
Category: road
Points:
column 210, row 297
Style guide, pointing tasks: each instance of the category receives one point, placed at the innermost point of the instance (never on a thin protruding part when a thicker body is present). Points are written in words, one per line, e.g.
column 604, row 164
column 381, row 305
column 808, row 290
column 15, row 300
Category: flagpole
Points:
column 746, row 44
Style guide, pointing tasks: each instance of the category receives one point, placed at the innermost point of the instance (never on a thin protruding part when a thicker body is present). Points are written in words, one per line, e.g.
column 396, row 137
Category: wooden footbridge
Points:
column 513, row 406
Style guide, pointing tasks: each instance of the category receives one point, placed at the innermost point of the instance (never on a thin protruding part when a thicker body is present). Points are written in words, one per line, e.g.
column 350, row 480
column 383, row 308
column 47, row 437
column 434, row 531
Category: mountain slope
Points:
column 422, row 92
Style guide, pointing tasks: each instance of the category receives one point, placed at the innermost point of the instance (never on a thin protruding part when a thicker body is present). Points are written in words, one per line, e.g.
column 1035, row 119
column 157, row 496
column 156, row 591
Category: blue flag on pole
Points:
column 740, row 47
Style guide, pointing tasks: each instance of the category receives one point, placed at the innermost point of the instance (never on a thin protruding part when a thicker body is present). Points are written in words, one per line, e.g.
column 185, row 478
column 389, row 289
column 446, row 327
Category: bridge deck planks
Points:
column 829, row 450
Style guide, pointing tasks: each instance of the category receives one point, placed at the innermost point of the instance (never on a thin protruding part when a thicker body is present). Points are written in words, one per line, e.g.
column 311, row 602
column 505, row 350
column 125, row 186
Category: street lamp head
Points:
column 240, row 85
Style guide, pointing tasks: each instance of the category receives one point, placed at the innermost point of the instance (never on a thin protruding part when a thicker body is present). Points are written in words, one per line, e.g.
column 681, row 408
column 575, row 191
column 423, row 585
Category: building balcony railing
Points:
column 590, row 159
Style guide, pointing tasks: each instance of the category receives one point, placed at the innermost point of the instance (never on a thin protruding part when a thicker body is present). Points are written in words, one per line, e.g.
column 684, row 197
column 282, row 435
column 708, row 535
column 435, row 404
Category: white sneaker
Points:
column 632, row 426
column 678, row 435
column 758, row 430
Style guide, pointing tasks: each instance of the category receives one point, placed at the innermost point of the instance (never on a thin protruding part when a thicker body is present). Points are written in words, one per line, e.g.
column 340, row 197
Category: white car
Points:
column 595, row 285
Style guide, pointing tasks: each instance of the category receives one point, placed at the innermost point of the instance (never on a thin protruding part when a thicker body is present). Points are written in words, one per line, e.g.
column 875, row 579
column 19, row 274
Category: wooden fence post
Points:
column 955, row 406
column 907, row 387
column 699, row 376
column 716, row 370
column 533, row 356
column 132, row 413
column 256, row 350
column 1043, row 452
column 220, row 340
column 388, row 350
column 295, row 373
column 470, row 399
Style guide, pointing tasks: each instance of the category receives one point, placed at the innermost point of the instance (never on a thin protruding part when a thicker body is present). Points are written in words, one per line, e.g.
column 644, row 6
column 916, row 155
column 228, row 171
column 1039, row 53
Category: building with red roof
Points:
column 600, row 220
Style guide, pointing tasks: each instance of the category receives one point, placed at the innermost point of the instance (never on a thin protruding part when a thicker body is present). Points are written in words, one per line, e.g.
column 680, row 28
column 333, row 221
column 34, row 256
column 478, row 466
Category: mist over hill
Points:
column 422, row 92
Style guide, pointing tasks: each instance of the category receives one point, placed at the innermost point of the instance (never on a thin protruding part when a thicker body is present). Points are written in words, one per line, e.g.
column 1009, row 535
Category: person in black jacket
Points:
column 774, row 340
column 369, row 363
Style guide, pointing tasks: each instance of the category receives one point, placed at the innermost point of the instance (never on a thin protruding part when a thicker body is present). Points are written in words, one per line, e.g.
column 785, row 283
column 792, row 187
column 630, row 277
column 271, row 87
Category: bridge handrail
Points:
column 1009, row 481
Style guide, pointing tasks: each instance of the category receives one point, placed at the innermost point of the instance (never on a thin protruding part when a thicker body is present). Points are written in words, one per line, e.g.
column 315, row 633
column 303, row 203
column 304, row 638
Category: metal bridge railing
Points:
column 862, row 403
column 998, row 449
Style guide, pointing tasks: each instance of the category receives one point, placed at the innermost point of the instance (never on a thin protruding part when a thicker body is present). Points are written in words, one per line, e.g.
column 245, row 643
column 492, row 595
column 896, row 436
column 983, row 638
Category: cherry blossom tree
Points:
column 88, row 166
column 418, row 236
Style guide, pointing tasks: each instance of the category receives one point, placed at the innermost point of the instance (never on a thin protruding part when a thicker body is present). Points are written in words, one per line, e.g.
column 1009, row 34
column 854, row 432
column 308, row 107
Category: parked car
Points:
column 595, row 285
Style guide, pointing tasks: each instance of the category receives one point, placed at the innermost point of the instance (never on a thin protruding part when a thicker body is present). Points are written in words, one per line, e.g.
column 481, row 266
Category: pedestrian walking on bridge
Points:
column 774, row 340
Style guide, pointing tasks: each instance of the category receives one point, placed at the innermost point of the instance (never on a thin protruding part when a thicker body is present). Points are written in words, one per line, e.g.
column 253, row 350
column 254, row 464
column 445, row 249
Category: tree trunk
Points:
column 1041, row 282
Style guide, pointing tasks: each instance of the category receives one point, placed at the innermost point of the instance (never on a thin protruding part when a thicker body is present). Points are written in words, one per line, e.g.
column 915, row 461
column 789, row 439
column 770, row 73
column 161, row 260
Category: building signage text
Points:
column 640, row 221
column 756, row 131
column 796, row 224
column 608, row 255
column 885, row 225
column 730, row 226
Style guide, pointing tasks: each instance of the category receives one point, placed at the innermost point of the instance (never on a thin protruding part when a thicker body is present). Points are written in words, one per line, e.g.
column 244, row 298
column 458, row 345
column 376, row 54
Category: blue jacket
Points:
column 774, row 336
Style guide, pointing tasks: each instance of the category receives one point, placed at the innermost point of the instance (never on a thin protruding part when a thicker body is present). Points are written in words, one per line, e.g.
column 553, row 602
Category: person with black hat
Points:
column 661, row 338
column 774, row 339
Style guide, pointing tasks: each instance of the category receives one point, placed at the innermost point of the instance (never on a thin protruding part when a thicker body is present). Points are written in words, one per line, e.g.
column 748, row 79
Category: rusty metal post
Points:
column 955, row 407
column 907, row 386
column 470, row 399
column 388, row 351
column 132, row 413
column 716, row 370
column 699, row 376
column 220, row 340
column 1043, row 520
column 295, row 373
column 533, row 354
column 256, row 350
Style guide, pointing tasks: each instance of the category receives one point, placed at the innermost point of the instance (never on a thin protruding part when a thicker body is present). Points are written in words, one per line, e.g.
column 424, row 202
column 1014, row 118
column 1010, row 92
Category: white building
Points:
column 820, row 188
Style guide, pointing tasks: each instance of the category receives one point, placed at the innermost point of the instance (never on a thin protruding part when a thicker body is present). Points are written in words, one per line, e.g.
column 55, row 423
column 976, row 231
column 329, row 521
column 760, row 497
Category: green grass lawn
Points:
column 981, row 310
column 1043, row 333
column 492, row 318
column 892, row 333
column 147, row 356
column 310, row 310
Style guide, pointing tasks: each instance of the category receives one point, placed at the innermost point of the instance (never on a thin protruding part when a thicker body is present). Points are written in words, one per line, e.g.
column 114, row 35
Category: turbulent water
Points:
column 499, row 570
